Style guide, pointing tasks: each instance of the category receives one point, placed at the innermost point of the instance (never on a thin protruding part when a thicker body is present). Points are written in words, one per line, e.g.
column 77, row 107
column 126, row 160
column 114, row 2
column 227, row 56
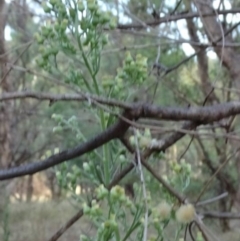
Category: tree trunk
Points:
column 5, row 107
column 229, row 58
column 29, row 188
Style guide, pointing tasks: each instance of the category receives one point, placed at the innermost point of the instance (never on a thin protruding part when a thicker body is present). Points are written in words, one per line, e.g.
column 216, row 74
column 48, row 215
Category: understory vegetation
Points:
column 119, row 120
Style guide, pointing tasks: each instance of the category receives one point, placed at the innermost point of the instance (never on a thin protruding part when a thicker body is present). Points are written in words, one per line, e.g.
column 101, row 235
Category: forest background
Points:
column 119, row 120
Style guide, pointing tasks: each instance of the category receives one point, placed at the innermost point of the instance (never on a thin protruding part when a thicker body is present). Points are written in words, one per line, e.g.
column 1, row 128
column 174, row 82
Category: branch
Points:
column 177, row 17
column 202, row 115
column 144, row 190
column 223, row 164
column 219, row 215
column 211, row 200
column 199, row 115
column 115, row 131
column 63, row 97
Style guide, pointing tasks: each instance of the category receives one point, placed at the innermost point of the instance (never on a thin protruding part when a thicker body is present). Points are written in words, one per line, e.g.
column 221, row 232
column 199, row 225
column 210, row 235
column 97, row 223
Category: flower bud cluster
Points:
column 83, row 19
column 181, row 167
column 101, row 192
column 144, row 140
column 94, row 210
column 68, row 178
column 134, row 71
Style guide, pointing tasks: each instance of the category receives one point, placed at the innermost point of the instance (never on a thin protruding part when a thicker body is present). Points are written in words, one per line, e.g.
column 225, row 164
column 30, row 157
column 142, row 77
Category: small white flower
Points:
column 186, row 213
column 164, row 210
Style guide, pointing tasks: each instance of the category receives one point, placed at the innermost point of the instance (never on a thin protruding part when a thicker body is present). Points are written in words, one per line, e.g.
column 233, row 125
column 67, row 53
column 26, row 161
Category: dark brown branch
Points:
column 176, row 7
column 127, row 144
column 204, row 235
column 202, row 115
column 115, row 131
column 177, row 17
column 199, row 115
column 63, row 97
column 219, row 215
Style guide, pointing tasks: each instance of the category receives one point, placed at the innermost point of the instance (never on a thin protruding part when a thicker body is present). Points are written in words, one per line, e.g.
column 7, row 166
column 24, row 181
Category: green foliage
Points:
column 77, row 49
column 71, row 47
column 77, row 36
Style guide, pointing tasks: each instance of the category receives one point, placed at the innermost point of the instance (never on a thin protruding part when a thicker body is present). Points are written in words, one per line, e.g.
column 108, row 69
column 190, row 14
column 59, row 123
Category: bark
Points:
column 202, row 63
column 230, row 59
column 29, row 188
column 53, row 185
column 129, row 190
column 214, row 30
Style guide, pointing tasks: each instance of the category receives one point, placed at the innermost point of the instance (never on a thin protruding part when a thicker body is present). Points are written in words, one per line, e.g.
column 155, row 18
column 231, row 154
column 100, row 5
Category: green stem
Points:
column 117, row 234
column 103, row 124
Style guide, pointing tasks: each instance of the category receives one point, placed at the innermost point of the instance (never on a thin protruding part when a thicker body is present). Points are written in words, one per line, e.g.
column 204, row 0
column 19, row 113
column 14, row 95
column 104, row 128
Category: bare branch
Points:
column 211, row 200
column 201, row 115
column 177, row 17
column 63, row 97
column 219, row 215
column 115, row 131
column 139, row 162
column 215, row 174
column 15, row 61
column 196, row 114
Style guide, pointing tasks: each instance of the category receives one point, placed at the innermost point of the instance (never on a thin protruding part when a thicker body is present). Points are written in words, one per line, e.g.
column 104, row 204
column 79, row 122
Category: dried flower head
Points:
column 164, row 210
column 185, row 213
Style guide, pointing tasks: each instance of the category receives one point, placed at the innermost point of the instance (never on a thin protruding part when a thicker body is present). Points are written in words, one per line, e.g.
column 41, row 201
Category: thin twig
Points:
column 202, row 115
column 67, row 225
column 168, row 41
column 15, row 61
column 204, row 230
column 211, row 200
column 176, row 7
column 143, row 187
column 170, row 189
column 176, row 17
column 219, row 215
column 63, row 97
column 213, row 176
